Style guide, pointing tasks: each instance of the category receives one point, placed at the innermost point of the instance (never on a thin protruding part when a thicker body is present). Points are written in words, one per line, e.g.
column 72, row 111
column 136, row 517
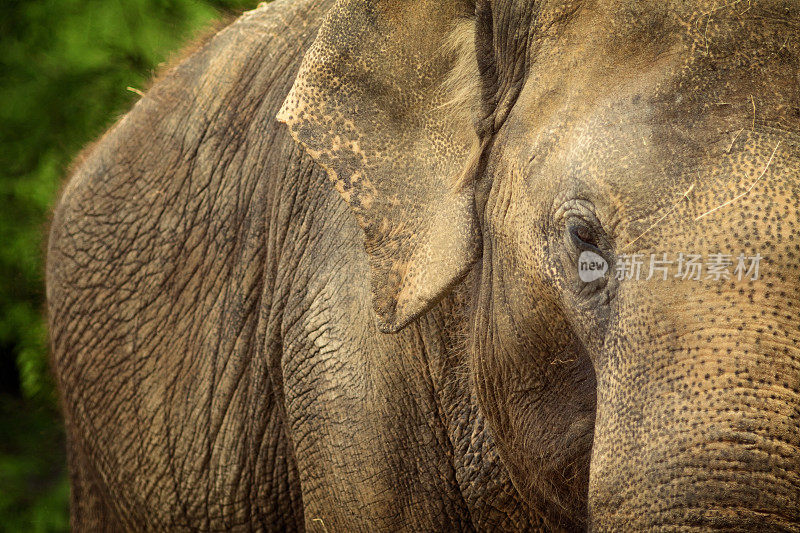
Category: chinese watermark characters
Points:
column 686, row 266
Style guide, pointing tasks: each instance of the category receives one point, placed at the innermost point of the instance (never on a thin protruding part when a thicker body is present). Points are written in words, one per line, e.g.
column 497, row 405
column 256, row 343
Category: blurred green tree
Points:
column 65, row 70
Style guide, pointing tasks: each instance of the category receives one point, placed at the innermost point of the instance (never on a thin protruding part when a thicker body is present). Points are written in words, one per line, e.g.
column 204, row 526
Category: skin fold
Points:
column 367, row 315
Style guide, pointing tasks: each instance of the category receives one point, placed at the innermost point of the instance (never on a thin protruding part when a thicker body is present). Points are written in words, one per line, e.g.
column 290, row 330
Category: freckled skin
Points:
column 369, row 317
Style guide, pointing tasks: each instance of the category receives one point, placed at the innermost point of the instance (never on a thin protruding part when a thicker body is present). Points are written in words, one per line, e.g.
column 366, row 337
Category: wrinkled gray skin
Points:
column 368, row 316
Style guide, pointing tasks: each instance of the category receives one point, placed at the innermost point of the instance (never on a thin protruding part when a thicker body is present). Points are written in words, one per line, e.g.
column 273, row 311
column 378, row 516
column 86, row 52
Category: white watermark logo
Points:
column 591, row 266
column 686, row 266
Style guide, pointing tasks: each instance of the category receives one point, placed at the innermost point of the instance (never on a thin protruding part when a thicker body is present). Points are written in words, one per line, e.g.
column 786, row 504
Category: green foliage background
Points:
column 65, row 69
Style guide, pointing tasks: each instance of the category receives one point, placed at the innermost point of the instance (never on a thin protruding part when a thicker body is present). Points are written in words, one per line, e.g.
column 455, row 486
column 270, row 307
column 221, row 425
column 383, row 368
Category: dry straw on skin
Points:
column 738, row 133
column 657, row 222
column 691, row 188
column 709, row 16
column 750, row 188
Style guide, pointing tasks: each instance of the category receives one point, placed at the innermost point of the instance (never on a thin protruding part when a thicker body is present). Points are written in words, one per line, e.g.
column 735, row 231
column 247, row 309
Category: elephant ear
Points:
column 384, row 101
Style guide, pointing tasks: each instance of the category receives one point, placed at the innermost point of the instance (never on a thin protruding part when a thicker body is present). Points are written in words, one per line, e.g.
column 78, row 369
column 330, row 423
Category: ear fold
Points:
column 383, row 102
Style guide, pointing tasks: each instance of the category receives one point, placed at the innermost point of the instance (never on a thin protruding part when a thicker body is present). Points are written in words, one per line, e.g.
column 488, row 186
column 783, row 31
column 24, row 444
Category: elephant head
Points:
column 521, row 141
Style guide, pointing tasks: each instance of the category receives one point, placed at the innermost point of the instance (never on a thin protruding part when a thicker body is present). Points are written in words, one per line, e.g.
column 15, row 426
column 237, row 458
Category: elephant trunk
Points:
column 698, row 410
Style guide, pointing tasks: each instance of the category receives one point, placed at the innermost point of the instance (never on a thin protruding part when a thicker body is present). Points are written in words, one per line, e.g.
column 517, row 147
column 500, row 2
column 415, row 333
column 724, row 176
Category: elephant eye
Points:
column 583, row 237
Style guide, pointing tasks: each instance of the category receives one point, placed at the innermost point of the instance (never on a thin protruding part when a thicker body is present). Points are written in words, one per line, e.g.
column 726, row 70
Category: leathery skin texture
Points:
column 328, row 274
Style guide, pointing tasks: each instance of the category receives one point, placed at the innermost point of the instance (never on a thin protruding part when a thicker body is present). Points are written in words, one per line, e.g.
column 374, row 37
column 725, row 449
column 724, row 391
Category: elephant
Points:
column 480, row 265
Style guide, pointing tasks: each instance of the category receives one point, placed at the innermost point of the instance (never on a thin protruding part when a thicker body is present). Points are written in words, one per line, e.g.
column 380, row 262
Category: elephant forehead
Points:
column 650, row 14
column 619, row 30
column 641, row 128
